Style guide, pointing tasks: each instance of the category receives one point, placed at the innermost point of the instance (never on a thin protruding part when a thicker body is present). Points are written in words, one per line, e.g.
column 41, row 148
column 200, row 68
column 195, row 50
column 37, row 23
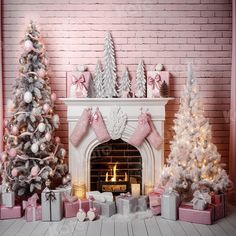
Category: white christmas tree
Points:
column 194, row 161
column 109, row 72
column 98, row 81
column 32, row 153
column 140, row 87
column 125, row 85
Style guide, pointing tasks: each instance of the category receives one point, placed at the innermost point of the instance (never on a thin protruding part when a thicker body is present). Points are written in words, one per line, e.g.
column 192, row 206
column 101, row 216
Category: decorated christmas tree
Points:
column 125, row 85
column 98, row 81
column 140, row 88
column 193, row 162
column 32, row 153
column 109, row 72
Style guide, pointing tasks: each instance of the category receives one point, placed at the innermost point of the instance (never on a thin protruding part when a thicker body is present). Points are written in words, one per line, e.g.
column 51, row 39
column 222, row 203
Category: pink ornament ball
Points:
column 53, row 97
column 6, row 122
column 14, row 172
column 28, row 45
column 48, row 136
column 41, row 73
column 15, row 130
column 3, row 157
column 34, row 171
column 12, row 152
column 46, row 107
column 58, row 140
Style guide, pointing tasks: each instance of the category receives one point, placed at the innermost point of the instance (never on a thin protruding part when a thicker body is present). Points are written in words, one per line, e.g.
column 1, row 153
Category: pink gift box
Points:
column 187, row 213
column 30, row 211
column 154, row 199
column 71, row 208
column 10, row 213
column 82, row 82
column 156, row 210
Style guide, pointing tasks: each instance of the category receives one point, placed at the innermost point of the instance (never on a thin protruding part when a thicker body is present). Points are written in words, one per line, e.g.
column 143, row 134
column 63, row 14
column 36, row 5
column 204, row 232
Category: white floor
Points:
column 153, row 226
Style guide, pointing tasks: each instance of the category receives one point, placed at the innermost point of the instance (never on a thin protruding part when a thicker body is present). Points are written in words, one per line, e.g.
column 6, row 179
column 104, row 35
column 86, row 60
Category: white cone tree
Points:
column 125, row 85
column 109, row 71
column 194, row 161
column 140, row 86
column 98, row 81
column 32, row 152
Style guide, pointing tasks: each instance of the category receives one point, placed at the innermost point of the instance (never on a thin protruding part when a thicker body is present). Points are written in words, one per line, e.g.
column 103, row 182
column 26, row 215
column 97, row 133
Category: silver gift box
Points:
column 8, row 199
column 143, row 202
column 169, row 205
column 107, row 208
column 52, row 207
column 126, row 205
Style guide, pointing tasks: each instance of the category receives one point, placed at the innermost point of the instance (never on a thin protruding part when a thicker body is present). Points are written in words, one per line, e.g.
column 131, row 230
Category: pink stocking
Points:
column 141, row 131
column 81, row 127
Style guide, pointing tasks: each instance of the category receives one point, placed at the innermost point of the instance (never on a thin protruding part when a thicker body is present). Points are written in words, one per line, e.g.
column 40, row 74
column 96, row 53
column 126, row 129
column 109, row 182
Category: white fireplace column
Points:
column 79, row 157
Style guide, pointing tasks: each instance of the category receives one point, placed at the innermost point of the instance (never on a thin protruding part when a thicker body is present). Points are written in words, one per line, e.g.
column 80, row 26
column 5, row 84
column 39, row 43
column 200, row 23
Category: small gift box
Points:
column 78, row 85
column 10, row 213
column 100, row 197
column 33, row 211
column 169, row 204
column 105, row 208
column 200, row 200
column 126, row 204
column 52, row 207
column 72, row 207
column 154, row 82
column 154, row 199
column 187, row 213
column 143, row 203
column 8, row 198
column 156, row 210
column 219, row 203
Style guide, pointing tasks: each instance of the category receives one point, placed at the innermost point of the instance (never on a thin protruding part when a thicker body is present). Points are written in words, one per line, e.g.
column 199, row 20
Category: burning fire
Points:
column 113, row 179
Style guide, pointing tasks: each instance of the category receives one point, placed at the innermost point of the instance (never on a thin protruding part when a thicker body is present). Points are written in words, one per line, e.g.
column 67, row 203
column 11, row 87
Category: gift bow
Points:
column 69, row 198
column 154, row 82
column 50, row 196
column 201, row 196
column 124, row 195
column 31, row 202
column 79, row 82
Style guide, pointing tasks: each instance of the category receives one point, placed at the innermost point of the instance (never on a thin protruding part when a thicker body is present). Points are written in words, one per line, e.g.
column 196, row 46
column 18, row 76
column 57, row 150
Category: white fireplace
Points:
column 79, row 157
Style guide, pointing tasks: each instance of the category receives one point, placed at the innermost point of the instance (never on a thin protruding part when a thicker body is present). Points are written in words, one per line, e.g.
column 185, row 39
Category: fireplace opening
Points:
column 115, row 165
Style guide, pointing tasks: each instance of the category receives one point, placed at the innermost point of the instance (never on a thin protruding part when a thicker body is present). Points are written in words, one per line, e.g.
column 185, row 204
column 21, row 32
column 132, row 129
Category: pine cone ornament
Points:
column 164, row 90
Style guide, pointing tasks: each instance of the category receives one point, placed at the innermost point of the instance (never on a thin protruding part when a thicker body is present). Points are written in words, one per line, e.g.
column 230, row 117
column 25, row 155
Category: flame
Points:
column 113, row 179
column 106, row 177
column 126, row 177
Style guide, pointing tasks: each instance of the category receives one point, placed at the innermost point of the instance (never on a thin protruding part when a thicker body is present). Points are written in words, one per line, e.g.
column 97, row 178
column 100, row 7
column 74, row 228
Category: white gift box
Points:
column 154, row 81
column 100, row 197
column 170, row 201
column 143, row 203
column 52, row 207
column 107, row 208
column 126, row 204
column 8, row 199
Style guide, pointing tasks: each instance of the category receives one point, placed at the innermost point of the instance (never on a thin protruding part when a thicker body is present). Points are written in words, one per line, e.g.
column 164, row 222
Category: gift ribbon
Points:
column 201, row 196
column 31, row 202
column 69, row 198
column 50, row 196
column 79, row 82
column 154, row 82
column 125, row 195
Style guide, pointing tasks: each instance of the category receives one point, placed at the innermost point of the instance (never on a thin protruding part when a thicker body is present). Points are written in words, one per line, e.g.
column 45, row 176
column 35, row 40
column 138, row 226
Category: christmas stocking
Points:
column 81, row 127
column 99, row 127
column 154, row 137
column 141, row 131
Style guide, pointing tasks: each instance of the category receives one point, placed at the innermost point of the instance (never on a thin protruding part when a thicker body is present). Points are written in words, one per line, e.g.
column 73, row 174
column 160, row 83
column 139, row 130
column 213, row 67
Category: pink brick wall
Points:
column 171, row 32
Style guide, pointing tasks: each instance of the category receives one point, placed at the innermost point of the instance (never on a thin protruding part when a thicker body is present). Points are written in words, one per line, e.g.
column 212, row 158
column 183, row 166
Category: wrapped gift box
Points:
column 52, row 207
column 71, row 208
column 170, row 201
column 126, row 204
column 219, row 199
column 33, row 213
column 8, row 199
column 105, row 208
column 78, row 86
column 219, row 211
column 200, row 200
column 156, row 210
column 154, row 81
column 154, row 199
column 187, row 213
column 10, row 213
column 143, row 202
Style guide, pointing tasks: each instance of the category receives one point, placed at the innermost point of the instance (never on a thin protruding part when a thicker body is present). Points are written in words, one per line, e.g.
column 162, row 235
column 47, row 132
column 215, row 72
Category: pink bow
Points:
column 79, row 82
column 155, row 82
column 31, row 202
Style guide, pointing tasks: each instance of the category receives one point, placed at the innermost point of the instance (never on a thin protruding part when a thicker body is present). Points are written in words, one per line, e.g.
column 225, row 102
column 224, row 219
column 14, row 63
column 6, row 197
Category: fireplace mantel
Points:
column 79, row 157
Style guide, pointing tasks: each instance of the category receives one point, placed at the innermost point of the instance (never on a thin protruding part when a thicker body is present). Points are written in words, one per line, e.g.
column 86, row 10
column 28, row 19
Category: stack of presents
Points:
column 204, row 208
